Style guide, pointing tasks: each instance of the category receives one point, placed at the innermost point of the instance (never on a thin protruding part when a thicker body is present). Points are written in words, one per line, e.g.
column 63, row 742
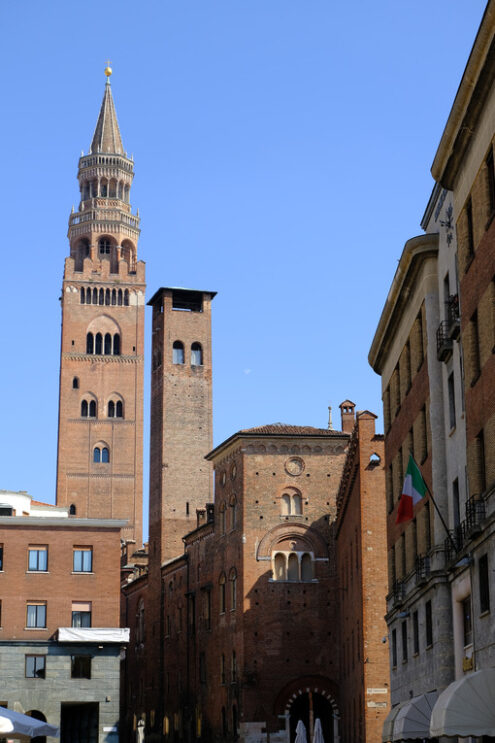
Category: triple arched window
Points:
column 292, row 566
column 101, row 454
column 103, row 344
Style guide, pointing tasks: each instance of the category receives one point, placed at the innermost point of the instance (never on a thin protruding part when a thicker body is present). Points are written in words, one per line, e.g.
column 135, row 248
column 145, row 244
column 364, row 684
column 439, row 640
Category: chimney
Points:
column 347, row 415
column 330, row 427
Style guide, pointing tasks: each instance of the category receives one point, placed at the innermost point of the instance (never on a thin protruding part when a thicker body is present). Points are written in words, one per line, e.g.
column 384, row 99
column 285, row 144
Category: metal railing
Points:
column 453, row 316
column 444, row 342
column 422, row 568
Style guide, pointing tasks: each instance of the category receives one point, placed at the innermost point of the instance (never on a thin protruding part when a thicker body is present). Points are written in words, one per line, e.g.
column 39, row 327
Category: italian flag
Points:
column 413, row 490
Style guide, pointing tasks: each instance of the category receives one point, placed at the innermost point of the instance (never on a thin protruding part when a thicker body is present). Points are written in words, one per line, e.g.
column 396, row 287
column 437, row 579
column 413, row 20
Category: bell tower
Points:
column 100, row 432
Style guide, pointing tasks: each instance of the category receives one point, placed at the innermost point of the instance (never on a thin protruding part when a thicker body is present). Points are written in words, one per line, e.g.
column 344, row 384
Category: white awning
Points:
column 413, row 718
column 93, row 634
column 388, row 725
column 466, row 707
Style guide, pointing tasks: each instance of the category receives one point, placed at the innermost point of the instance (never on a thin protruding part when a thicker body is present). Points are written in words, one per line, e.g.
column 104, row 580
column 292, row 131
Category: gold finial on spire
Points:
column 108, row 69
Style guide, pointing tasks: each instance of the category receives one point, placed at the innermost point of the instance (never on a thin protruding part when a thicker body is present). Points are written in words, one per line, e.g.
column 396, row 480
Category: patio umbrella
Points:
column 26, row 725
column 6, row 725
column 300, row 733
column 318, row 732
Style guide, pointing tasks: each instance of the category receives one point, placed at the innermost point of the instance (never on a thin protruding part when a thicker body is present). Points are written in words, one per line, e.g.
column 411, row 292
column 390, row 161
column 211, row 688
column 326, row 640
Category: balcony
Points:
column 444, row 342
column 398, row 593
column 97, row 635
column 453, row 317
column 422, row 569
column 475, row 514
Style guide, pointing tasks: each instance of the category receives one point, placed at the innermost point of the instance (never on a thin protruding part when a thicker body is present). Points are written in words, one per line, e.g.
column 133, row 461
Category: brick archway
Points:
column 308, row 698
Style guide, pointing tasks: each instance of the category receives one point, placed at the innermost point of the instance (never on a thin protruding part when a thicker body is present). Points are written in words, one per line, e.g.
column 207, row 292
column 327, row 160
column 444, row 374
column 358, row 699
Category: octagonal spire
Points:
column 107, row 133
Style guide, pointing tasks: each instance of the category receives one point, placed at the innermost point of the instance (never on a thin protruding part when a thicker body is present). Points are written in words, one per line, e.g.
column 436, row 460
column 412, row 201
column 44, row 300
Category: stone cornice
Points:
column 475, row 86
column 102, row 359
column 416, row 252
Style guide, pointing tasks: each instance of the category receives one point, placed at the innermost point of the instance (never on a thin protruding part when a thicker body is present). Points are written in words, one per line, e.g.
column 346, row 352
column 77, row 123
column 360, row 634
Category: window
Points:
column 223, row 518
column 36, row 615
column 126, row 298
column 234, row 667
column 191, row 614
column 480, row 467
column 490, row 182
column 292, row 566
column 467, row 621
column 88, row 409
column 101, row 455
column 456, row 502
column 81, row 614
column 222, row 669
column 98, row 343
column 35, row 666
column 233, row 589
column 202, row 668
column 108, row 344
column 484, row 583
column 115, row 409
column 470, row 231
column 38, row 558
column 428, row 624
column 82, row 560
column 1, row 556
column 72, row 509
column 196, row 355
column 221, row 584
column 111, row 409
column 291, row 503
column 116, row 344
column 75, row 383
column 415, row 633
column 207, row 608
column 475, row 348
column 89, row 343
column 140, row 634
column 451, row 389
column 178, row 352
column 80, row 666
column 104, row 243
column 394, row 648
column 404, row 641
column 233, row 512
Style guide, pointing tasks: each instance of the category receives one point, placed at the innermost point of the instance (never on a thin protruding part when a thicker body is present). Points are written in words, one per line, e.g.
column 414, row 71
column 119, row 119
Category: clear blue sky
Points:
column 282, row 152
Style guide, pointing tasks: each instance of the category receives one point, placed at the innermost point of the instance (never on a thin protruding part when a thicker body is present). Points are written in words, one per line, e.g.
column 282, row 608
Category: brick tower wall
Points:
column 113, row 489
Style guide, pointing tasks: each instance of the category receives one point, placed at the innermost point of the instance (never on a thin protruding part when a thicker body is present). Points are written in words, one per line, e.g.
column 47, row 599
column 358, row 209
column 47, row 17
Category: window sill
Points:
column 36, row 629
column 429, row 647
column 82, row 572
column 37, row 572
column 485, row 613
column 452, row 431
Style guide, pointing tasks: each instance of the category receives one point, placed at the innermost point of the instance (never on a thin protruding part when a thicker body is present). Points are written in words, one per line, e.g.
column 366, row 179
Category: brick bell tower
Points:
column 181, row 416
column 100, row 432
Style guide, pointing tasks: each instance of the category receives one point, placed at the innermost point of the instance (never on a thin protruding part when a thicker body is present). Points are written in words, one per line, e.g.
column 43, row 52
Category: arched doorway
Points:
column 38, row 716
column 310, row 706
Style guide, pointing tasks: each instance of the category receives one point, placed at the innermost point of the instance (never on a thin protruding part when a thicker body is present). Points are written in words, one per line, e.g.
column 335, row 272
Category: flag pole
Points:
column 449, row 535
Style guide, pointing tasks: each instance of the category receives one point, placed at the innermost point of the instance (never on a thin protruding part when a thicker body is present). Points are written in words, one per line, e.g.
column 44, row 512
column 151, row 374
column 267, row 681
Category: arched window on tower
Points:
column 108, row 344
column 89, row 343
column 107, row 297
column 178, row 352
column 88, row 296
column 116, row 344
column 83, row 295
column 72, row 510
column 293, row 567
column 105, row 455
column 95, row 296
column 101, row 297
column 233, row 589
column 98, row 344
column 126, row 298
column 196, row 354
column 92, row 409
column 280, row 567
column 84, row 409
column 104, row 246
column 119, row 300
column 75, row 383
column 306, row 567
column 111, row 409
column 221, row 586
column 97, row 454
column 119, row 409
column 114, row 297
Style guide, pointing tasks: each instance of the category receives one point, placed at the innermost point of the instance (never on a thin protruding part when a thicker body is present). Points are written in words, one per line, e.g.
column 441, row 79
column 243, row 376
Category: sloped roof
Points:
column 107, row 133
column 290, row 430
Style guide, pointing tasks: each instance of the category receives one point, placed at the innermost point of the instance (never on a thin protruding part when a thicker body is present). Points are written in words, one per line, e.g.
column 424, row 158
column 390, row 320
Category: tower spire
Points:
column 107, row 133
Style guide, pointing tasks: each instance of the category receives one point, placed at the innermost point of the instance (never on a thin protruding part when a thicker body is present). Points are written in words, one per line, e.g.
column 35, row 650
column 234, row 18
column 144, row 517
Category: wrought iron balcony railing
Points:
column 444, row 342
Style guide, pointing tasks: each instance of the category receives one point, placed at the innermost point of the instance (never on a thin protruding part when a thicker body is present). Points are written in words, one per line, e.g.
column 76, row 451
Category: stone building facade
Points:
column 439, row 606
column 60, row 641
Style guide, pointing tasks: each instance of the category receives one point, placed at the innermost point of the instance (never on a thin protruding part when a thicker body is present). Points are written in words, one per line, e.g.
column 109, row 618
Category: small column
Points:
column 336, row 737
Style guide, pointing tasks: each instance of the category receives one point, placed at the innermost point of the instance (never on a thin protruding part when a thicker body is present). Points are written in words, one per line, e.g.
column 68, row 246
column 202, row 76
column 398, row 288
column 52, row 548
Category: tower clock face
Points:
column 294, row 466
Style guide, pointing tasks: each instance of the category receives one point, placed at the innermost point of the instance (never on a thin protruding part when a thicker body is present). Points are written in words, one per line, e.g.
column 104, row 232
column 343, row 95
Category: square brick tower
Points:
column 100, row 435
column 181, row 416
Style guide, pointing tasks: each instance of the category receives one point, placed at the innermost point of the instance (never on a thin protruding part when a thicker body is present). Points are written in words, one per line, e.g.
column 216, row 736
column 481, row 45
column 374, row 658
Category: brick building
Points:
column 60, row 641
column 441, row 576
column 361, row 532
column 250, row 633
column 100, row 437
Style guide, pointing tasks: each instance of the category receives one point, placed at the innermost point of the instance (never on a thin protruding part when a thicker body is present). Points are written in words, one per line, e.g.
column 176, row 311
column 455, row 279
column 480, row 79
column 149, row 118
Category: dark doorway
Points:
column 322, row 710
column 79, row 722
column 37, row 716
